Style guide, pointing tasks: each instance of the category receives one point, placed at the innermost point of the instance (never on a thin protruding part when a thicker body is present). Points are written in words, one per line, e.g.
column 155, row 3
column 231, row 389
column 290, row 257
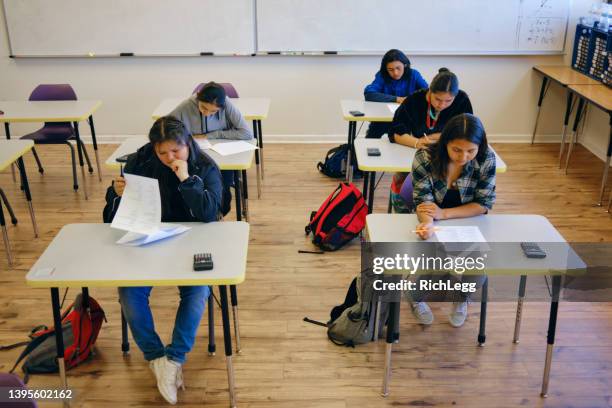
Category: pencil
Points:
column 425, row 230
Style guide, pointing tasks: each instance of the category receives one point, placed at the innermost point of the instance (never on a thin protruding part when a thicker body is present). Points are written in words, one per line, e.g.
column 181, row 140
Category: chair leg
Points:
column 8, row 207
column 125, row 343
column 75, row 182
column 40, row 167
column 89, row 168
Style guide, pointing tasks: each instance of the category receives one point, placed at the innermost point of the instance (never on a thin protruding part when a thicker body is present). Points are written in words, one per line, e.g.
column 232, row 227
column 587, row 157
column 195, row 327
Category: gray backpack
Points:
column 352, row 322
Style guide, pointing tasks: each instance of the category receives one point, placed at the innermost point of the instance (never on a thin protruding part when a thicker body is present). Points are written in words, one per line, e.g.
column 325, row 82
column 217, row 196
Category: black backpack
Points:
column 334, row 165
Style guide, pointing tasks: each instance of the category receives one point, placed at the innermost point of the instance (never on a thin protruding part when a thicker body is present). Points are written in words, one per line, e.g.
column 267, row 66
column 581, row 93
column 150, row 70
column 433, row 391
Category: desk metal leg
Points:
column 482, row 337
column 7, row 133
column 95, row 145
column 568, row 112
column 366, row 180
column 227, row 340
column 519, row 309
column 371, row 192
column 377, row 319
column 238, row 192
column 8, row 207
column 604, row 179
column 245, row 195
column 80, row 153
column 125, row 343
column 392, row 337
column 26, row 188
column 543, row 91
column 552, row 328
column 212, row 348
column 257, row 164
column 574, row 137
column 261, row 146
column 234, row 298
column 7, row 245
column 351, row 139
column 59, row 338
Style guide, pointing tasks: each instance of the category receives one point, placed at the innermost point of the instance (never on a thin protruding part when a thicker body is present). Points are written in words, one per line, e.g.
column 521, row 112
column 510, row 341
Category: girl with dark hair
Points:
column 420, row 119
column 190, row 188
column 453, row 178
column 394, row 81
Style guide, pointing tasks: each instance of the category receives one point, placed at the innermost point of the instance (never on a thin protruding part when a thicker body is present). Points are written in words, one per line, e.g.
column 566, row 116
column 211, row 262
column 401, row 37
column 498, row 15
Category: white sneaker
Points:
column 168, row 374
column 458, row 314
column 422, row 312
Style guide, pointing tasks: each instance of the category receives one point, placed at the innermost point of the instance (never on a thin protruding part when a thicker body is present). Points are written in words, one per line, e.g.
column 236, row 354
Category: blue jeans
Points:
column 135, row 305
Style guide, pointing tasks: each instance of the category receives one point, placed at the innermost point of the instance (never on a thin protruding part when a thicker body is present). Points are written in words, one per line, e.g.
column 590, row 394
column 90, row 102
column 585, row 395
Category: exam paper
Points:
column 393, row 107
column 462, row 239
column 229, row 148
column 459, row 234
column 166, row 230
column 140, row 207
column 204, row 144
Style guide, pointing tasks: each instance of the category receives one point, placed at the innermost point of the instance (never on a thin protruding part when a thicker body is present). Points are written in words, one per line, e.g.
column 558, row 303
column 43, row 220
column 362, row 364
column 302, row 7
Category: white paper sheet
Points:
column 459, row 234
column 204, row 144
column 166, row 230
column 140, row 207
column 229, row 148
column 393, row 107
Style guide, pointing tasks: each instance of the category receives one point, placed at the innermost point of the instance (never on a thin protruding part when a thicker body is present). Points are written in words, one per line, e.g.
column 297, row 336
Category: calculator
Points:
column 532, row 250
column 202, row 262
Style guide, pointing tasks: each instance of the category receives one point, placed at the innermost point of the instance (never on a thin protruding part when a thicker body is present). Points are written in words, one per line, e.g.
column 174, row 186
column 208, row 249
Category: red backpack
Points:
column 80, row 330
column 339, row 219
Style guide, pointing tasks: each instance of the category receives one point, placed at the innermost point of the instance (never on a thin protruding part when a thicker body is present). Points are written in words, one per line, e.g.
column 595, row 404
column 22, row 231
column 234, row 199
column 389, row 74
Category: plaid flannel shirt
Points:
column 476, row 184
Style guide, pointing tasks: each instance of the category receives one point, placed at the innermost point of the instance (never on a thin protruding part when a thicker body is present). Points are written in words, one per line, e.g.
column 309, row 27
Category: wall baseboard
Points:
column 500, row 138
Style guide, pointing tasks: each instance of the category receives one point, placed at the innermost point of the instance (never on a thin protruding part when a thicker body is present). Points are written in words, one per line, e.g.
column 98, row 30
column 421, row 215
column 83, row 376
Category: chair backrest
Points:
column 53, row 92
column 230, row 91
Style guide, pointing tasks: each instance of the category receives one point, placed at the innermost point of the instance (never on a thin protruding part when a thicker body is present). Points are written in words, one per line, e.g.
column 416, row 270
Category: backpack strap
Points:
column 31, row 346
column 14, row 345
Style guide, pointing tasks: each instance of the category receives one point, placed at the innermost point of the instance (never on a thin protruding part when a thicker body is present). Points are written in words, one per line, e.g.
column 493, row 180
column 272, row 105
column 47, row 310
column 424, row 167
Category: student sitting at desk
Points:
column 392, row 83
column 210, row 114
column 420, row 119
column 453, row 178
column 190, row 189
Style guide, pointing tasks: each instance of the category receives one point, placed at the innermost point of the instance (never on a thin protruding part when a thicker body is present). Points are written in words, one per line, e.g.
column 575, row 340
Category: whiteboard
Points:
column 416, row 26
column 147, row 27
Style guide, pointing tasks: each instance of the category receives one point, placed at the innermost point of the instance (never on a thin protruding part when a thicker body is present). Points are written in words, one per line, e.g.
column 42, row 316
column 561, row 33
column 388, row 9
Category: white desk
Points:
column 393, row 158
column 12, row 151
column 372, row 112
column 239, row 163
column 55, row 111
column 102, row 263
column 494, row 228
column 253, row 109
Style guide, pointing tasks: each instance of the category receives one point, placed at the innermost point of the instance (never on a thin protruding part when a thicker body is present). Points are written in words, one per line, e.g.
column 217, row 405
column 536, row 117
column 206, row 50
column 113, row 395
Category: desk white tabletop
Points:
column 251, row 108
column 373, row 111
column 11, row 150
column 395, row 157
column 504, row 229
column 240, row 161
column 47, row 111
column 87, row 255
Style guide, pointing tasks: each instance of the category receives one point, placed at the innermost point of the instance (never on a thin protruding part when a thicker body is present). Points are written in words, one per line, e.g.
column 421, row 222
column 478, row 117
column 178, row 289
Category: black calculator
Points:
column 202, row 262
column 532, row 250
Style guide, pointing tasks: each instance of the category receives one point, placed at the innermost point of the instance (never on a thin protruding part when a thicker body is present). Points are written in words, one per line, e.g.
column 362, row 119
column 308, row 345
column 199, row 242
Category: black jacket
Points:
column 198, row 198
column 411, row 115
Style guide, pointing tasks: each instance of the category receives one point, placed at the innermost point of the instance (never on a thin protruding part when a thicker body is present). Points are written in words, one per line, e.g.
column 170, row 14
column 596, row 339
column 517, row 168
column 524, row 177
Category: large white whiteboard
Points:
column 146, row 27
column 416, row 26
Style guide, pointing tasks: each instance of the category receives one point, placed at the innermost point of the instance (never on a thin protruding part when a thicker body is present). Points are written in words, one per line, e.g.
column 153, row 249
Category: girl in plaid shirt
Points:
column 453, row 178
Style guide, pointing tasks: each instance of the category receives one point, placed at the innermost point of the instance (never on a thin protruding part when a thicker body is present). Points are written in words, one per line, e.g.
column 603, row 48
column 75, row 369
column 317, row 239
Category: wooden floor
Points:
column 289, row 363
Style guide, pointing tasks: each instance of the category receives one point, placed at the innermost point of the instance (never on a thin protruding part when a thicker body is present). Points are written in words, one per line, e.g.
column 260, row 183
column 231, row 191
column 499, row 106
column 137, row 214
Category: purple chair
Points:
column 407, row 190
column 10, row 381
column 230, row 91
column 56, row 132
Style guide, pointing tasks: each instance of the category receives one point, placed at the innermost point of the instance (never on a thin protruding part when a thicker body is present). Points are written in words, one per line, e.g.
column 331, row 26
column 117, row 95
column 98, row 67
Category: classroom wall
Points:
column 305, row 91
